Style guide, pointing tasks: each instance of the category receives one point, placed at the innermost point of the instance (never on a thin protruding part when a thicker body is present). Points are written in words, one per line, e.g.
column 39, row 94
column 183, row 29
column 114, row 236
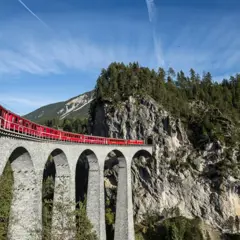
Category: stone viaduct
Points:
column 28, row 159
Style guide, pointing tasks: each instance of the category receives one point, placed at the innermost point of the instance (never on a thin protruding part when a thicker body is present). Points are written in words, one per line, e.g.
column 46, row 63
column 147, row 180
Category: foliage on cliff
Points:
column 6, row 183
column 75, row 125
column 178, row 228
column 177, row 93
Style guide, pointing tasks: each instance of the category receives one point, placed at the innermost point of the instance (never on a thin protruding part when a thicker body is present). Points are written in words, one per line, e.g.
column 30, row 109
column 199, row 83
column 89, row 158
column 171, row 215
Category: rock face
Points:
column 179, row 179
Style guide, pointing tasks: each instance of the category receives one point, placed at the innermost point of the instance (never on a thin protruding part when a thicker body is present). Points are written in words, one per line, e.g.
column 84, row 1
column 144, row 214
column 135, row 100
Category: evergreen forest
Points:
column 207, row 108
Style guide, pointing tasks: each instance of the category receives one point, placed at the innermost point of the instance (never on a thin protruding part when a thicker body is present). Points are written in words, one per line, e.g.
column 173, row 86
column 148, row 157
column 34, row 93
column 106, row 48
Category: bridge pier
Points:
column 63, row 201
column 124, row 228
column 95, row 196
column 24, row 220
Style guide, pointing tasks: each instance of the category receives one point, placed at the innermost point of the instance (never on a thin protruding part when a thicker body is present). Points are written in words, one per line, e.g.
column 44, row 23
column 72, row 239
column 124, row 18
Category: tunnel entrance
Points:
column 149, row 141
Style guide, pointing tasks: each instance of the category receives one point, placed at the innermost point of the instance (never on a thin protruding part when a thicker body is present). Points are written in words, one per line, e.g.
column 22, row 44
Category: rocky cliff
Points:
column 181, row 179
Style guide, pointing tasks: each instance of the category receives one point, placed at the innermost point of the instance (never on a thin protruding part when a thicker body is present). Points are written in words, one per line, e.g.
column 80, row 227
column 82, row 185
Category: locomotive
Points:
column 12, row 122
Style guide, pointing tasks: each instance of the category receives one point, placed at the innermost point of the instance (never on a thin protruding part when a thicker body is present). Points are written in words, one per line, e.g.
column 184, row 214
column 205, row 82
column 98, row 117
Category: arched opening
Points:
column 48, row 184
column 149, row 141
column 6, row 183
column 87, row 180
column 81, row 177
column 114, row 170
column 142, row 185
column 25, row 202
column 56, row 197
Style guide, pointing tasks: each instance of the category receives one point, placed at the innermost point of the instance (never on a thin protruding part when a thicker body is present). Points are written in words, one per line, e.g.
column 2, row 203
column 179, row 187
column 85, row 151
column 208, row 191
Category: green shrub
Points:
column 6, row 183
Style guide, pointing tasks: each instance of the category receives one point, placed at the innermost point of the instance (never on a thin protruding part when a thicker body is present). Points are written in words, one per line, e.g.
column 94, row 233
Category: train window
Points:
column 0, row 112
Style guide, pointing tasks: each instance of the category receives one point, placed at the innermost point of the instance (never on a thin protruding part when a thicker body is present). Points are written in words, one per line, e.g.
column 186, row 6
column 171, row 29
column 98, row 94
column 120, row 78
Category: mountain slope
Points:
column 77, row 106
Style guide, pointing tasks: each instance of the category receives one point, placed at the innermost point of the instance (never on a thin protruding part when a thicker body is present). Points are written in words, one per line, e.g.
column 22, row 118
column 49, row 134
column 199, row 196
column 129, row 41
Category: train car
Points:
column 2, row 116
column 116, row 141
column 13, row 122
column 94, row 139
column 135, row 142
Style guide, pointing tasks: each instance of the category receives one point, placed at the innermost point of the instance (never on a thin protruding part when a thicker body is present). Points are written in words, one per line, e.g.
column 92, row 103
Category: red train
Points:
column 12, row 122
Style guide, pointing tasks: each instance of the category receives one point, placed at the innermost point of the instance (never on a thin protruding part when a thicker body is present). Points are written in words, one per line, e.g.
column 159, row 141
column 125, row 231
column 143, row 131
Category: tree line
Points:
column 174, row 91
column 75, row 125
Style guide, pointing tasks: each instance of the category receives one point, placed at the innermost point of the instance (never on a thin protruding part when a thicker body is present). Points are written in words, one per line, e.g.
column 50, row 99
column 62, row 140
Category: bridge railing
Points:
column 26, row 131
column 38, row 133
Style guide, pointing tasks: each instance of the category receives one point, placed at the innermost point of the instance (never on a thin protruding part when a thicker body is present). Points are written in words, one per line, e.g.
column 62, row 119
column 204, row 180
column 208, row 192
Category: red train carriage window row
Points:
column 16, row 123
column 1, row 118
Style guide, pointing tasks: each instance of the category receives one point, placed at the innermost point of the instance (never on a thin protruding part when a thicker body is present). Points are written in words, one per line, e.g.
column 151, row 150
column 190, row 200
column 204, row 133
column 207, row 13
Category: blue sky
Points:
column 59, row 52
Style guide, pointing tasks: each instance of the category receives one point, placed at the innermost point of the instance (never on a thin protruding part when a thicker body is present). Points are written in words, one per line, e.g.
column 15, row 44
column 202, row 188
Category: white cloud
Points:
column 21, row 105
column 31, row 101
column 54, row 56
column 152, row 13
column 30, row 11
column 213, row 48
column 151, row 9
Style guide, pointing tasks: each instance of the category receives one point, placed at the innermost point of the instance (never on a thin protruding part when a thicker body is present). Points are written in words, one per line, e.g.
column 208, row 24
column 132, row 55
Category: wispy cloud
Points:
column 21, row 105
column 29, row 10
column 213, row 48
column 152, row 13
column 26, row 101
column 151, row 9
column 55, row 56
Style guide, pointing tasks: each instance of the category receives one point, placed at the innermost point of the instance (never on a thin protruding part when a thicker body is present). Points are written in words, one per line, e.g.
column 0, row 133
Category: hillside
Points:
column 76, row 106
column 190, row 188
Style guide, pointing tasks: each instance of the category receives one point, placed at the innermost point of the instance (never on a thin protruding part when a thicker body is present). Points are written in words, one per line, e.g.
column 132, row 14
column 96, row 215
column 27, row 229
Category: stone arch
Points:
column 88, row 181
column 23, row 220
column 117, row 156
column 142, row 153
column 61, row 163
column 7, row 149
column 115, row 171
column 62, row 194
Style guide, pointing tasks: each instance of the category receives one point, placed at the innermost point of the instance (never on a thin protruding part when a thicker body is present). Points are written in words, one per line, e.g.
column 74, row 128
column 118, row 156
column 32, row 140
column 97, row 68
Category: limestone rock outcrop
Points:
column 180, row 179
